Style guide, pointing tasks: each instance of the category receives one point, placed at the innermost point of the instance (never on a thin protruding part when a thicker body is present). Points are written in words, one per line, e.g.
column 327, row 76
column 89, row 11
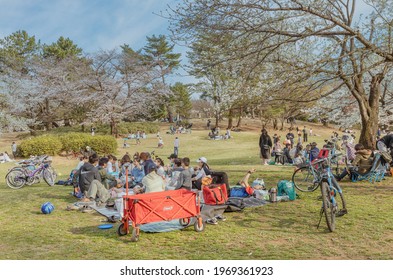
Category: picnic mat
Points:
column 109, row 212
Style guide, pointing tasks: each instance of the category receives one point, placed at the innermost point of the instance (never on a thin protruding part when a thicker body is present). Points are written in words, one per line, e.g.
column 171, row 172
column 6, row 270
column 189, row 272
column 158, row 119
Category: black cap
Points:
column 172, row 156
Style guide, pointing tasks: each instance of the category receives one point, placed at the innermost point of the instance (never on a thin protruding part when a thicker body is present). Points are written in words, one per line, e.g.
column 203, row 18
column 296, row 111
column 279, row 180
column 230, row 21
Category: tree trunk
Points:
column 239, row 121
column 369, row 110
column 275, row 124
column 282, row 124
column 230, row 118
column 217, row 117
column 114, row 128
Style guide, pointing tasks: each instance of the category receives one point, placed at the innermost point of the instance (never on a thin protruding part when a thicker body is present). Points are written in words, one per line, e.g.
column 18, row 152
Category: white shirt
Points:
column 177, row 142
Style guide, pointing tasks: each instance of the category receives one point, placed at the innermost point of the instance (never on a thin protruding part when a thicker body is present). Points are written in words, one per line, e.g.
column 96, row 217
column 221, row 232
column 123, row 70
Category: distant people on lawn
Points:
column 305, row 138
column 265, row 145
column 13, row 149
column 176, row 145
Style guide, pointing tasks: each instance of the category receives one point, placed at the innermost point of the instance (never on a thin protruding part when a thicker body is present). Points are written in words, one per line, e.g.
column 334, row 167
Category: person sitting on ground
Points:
column 107, row 180
column 385, row 143
column 82, row 160
column 171, row 164
column 145, row 160
column 126, row 168
column 298, row 156
column 362, row 162
column 99, row 190
column 203, row 171
column 286, row 156
column 86, row 174
column 160, row 143
column 160, row 167
column 184, row 181
column 112, row 166
column 88, row 151
column 137, row 172
column 152, row 182
column 314, row 151
column 175, row 174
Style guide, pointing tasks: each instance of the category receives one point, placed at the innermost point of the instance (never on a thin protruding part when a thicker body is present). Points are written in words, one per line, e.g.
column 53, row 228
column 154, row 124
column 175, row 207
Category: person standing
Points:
column 176, row 146
column 305, row 138
column 265, row 144
column 13, row 149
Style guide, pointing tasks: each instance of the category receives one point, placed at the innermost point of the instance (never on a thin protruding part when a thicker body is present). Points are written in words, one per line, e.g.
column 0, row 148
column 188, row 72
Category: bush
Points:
column 74, row 141
column 49, row 145
column 52, row 145
column 103, row 144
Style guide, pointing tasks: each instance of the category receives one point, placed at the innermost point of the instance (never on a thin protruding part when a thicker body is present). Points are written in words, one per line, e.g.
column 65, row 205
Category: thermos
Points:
column 273, row 195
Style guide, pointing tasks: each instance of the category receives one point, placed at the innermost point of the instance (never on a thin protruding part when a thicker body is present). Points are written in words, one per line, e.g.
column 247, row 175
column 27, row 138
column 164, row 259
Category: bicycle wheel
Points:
column 328, row 208
column 49, row 175
column 304, row 180
column 16, row 178
column 340, row 201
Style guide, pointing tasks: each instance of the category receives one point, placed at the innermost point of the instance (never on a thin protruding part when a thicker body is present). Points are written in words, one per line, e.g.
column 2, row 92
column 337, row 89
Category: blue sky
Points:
column 91, row 24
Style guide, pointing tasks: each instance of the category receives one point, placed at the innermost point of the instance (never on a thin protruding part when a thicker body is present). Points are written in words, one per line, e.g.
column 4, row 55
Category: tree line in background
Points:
column 42, row 86
column 282, row 58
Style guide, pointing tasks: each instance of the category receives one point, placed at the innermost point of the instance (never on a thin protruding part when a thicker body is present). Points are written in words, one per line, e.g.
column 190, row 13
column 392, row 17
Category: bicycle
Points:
column 329, row 189
column 28, row 173
column 307, row 177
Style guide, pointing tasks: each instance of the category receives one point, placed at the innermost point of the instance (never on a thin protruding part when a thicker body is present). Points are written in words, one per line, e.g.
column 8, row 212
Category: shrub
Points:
column 74, row 141
column 103, row 144
column 45, row 144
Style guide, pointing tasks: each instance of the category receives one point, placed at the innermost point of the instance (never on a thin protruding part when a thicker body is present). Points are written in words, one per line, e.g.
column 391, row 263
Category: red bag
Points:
column 215, row 194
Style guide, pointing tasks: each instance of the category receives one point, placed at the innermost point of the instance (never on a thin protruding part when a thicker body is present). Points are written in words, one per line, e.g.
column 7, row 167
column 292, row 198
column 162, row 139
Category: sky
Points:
column 92, row 25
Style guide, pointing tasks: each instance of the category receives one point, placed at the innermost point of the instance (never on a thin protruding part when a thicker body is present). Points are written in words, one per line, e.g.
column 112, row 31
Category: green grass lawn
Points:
column 285, row 230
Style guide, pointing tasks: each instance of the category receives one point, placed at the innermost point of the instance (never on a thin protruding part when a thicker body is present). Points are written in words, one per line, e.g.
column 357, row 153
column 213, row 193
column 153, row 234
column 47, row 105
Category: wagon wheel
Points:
column 184, row 222
column 199, row 225
column 135, row 235
column 121, row 231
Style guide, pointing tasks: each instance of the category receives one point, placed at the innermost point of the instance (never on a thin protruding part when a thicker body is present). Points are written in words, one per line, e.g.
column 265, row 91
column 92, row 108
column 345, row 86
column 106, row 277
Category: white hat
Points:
column 202, row 159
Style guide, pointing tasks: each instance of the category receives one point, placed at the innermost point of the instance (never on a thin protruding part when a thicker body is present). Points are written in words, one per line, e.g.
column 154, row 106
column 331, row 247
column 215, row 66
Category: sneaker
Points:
column 221, row 218
column 212, row 221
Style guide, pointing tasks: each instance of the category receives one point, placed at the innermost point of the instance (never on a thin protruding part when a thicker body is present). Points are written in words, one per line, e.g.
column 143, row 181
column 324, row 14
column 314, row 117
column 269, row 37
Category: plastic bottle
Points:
column 282, row 198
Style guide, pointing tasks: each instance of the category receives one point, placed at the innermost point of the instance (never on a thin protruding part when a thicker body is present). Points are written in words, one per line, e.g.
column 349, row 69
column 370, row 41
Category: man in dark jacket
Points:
column 86, row 174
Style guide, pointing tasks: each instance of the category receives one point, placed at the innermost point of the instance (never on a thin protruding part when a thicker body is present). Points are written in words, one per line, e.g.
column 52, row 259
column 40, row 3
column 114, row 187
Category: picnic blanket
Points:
column 239, row 203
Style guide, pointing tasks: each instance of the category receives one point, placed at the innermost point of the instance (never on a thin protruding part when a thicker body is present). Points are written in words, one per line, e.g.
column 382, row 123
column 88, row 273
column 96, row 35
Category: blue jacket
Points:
column 314, row 153
column 138, row 174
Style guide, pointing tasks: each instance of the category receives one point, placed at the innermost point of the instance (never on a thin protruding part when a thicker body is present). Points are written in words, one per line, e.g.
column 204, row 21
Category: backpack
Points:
column 285, row 187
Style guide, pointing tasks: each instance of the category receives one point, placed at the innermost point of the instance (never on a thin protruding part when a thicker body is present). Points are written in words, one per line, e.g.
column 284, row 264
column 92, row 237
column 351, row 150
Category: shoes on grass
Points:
column 221, row 218
column 212, row 221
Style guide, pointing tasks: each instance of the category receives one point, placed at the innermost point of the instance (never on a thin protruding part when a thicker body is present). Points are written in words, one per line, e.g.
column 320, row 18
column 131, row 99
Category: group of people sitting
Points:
column 95, row 178
column 5, row 157
column 214, row 134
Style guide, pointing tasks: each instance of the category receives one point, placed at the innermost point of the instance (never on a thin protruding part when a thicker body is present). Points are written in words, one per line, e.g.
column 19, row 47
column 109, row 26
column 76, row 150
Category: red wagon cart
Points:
column 160, row 206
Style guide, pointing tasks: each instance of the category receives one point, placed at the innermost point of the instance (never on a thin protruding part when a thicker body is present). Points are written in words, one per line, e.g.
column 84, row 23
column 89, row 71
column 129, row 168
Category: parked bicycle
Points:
column 307, row 177
column 31, row 172
column 332, row 206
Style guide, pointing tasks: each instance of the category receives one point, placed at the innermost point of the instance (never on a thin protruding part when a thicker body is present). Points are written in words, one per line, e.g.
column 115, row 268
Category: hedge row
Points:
column 125, row 128
column 53, row 145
